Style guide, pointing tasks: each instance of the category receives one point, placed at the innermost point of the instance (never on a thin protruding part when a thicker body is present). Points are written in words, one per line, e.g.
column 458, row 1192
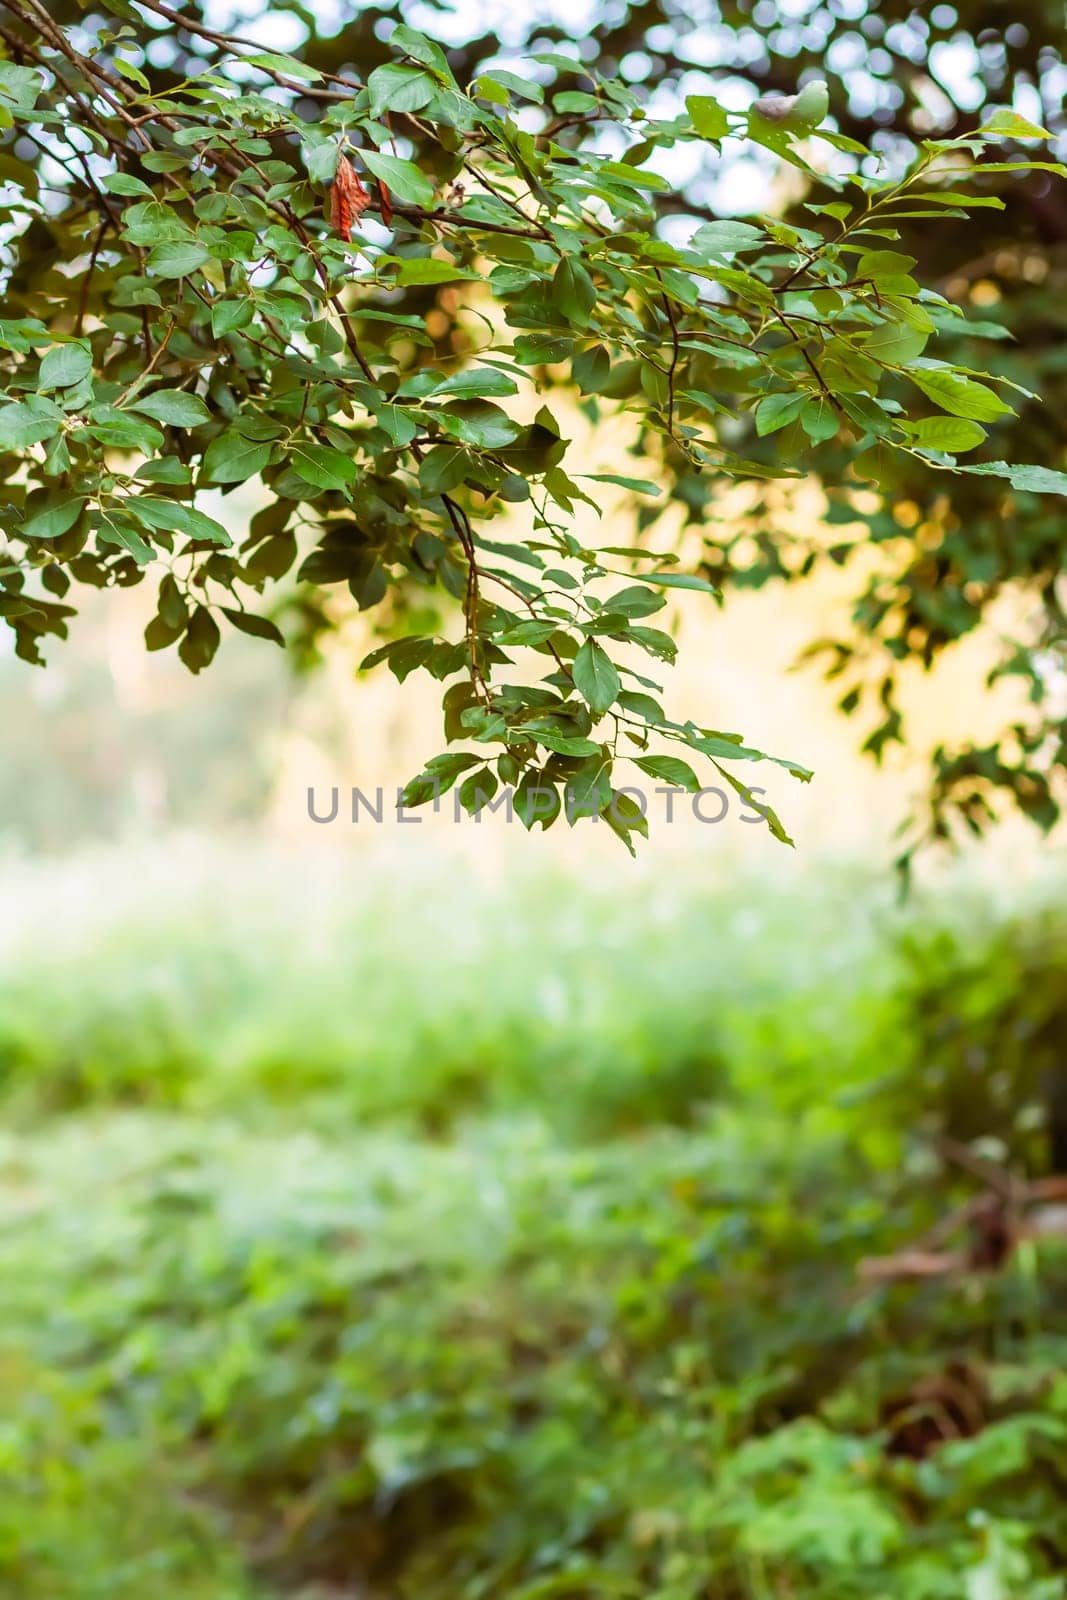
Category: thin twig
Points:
column 675, row 351
column 83, row 297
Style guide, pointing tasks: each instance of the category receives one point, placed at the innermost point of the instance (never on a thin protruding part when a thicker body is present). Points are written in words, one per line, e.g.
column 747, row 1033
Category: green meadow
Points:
column 351, row 1255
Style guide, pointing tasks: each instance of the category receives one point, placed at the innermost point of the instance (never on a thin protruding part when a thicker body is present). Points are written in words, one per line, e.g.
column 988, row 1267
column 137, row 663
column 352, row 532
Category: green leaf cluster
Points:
column 223, row 330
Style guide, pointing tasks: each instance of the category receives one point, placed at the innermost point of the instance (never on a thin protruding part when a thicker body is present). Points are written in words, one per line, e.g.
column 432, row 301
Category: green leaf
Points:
column 947, row 434
column 258, row 627
column 528, row 633
column 164, row 469
column 624, row 816
column 53, row 519
column 419, row 48
column 124, row 430
column 680, row 580
column 486, row 87
column 403, row 655
column 231, row 458
column 65, row 365
column 177, row 258
column 176, row 407
column 569, row 101
column 958, row 395
column 396, row 422
column 322, row 466
column 477, row 790
column 173, row 610
column 537, row 800
column 773, row 820
column 174, row 516
column 643, row 706
column 655, row 642
column 27, row 422
column 595, row 677
column 1009, row 125
column 118, row 529
column 395, row 88
column 589, row 789
column 889, row 270
column 198, row 647
column 819, row 419
column 895, row 343
column 368, row 584
column 776, row 410
column 19, row 85
column 635, row 485
column 725, row 238
column 677, row 773
column 1024, row 166
column 573, row 291
column 431, row 269
column 591, row 369
column 126, row 69
column 446, row 768
column 125, row 183
column 1033, row 480
column 476, row 383
column 288, row 66
column 631, row 176
column 523, row 88
column 160, row 634
column 403, row 178
column 321, row 155
column 707, row 116
column 440, row 775
column 636, row 601
column 562, row 743
column 443, row 468
column 483, row 425
column 964, row 328
column 229, row 315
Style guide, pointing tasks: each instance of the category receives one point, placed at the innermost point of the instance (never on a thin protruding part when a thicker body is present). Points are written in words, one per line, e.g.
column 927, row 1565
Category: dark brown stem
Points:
column 83, row 297
column 675, row 352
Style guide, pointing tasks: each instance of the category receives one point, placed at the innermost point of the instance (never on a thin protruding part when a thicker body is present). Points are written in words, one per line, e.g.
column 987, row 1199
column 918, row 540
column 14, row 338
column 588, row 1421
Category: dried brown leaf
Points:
column 348, row 199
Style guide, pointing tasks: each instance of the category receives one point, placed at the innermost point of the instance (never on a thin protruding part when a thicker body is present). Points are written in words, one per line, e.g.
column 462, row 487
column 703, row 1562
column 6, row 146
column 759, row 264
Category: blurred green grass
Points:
column 222, row 981
column 384, row 1233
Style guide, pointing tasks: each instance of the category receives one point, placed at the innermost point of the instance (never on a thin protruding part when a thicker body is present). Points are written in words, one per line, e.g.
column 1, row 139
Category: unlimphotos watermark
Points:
column 533, row 804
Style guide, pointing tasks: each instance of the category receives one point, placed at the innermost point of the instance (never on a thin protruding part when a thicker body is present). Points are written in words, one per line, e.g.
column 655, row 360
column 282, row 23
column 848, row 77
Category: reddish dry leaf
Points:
column 348, row 199
column 385, row 201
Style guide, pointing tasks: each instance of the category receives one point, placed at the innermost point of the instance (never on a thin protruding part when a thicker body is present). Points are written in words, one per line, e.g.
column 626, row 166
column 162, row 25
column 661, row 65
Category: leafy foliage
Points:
column 946, row 563
column 227, row 313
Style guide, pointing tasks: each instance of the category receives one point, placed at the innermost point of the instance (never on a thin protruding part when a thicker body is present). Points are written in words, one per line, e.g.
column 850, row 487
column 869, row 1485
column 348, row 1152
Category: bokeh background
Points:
column 446, row 1211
